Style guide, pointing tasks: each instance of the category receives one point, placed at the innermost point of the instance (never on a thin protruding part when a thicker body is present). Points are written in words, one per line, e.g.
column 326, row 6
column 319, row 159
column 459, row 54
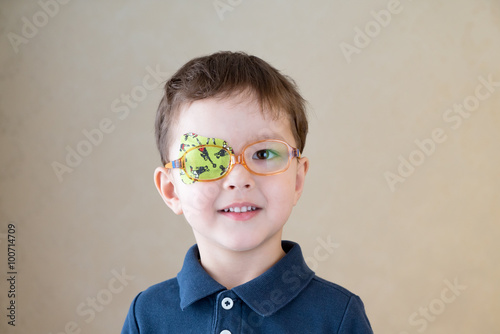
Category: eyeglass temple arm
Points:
column 174, row 164
column 295, row 153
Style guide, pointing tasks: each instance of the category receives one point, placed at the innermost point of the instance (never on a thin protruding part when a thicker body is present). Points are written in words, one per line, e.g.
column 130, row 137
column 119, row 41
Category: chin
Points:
column 246, row 243
column 243, row 246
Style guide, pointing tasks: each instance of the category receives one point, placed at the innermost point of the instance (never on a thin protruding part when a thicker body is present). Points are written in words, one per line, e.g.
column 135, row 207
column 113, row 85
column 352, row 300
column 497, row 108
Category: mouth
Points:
column 240, row 211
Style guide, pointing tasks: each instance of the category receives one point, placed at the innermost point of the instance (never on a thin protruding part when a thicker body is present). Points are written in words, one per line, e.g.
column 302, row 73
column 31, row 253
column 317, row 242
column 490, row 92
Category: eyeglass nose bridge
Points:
column 237, row 160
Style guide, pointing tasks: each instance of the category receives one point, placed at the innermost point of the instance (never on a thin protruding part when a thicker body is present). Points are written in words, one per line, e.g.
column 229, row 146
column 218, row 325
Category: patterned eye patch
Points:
column 204, row 162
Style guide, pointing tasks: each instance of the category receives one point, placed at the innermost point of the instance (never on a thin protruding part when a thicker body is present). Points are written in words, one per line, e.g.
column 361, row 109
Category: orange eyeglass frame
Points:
column 235, row 159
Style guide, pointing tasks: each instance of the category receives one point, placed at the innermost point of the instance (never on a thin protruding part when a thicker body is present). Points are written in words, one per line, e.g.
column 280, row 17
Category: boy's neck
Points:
column 233, row 268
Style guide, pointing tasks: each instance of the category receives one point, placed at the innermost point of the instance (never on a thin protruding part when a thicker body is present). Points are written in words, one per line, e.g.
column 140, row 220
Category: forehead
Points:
column 236, row 119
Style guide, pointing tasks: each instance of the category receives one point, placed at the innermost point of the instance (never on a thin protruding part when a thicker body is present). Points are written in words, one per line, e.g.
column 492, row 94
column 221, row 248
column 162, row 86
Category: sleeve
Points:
column 355, row 320
column 131, row 326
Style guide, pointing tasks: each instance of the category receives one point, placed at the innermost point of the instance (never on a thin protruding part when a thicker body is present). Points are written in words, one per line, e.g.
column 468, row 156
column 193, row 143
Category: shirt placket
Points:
column 228, row 313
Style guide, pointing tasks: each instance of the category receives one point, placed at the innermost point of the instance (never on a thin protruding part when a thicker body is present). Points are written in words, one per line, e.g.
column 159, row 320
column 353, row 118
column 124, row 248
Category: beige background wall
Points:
column 398, row 246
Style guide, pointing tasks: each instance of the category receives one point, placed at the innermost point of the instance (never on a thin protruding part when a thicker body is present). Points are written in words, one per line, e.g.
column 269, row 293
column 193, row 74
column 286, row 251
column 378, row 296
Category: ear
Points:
column 302, row 168
column 166, row 187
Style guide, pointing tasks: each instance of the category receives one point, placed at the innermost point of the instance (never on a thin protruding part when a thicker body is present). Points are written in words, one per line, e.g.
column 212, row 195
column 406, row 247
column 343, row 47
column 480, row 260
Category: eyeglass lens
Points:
column 212, row 162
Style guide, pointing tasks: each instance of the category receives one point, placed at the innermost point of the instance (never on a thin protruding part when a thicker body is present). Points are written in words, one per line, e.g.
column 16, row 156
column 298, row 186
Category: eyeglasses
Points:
column 206, row 163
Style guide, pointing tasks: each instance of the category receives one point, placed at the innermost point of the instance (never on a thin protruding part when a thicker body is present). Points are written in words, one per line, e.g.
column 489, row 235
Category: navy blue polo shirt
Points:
column 287, row 298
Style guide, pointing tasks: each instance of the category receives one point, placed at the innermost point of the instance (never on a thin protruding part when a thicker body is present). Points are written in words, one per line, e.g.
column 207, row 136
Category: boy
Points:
column 230, row 130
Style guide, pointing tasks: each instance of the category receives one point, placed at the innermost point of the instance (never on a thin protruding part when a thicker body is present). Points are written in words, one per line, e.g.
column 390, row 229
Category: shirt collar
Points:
column 194, row 282
column 265, row 294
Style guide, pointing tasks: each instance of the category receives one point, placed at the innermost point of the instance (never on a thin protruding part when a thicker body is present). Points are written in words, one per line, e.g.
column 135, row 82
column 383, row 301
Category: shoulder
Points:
column 165, row 286
column 324, row 289
column 339, row 303
column 152, row 304
column 158, row 296
column 330, row 288
column 332, row 299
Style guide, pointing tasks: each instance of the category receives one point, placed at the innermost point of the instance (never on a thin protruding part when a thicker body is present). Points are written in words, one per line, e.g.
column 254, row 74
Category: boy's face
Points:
column 239, row 121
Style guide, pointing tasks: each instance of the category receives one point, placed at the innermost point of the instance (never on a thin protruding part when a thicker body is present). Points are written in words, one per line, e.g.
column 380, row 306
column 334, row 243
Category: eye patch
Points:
column 209, row 161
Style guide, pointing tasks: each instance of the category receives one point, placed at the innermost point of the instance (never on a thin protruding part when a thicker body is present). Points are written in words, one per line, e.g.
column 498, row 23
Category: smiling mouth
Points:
column 239, row 209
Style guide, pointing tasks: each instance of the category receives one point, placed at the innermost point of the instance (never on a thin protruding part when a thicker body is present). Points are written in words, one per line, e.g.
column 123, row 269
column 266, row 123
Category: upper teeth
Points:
column 240, row 209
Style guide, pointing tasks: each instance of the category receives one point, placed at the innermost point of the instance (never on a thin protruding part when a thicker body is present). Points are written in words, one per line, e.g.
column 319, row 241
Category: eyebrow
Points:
column 265, row 137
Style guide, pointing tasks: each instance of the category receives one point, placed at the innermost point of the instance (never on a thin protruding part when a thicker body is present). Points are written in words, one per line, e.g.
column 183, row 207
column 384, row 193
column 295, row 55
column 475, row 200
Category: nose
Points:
column 239, row 178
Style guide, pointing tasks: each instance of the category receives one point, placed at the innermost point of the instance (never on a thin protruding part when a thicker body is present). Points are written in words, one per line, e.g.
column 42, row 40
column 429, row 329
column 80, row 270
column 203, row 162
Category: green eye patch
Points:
column 204, row 158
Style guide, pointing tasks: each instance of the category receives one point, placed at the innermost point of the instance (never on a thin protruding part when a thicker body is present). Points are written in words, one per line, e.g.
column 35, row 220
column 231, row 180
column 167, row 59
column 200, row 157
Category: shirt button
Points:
column 227, row 304
column 225, row 331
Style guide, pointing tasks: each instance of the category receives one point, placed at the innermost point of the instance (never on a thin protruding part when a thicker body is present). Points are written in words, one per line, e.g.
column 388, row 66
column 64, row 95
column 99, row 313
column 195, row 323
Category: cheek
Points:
column 280, row 192
column 197, row 199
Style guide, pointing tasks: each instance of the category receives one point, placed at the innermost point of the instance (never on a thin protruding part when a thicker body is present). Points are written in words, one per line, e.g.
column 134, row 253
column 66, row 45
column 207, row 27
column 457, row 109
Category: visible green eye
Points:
column 264, row 155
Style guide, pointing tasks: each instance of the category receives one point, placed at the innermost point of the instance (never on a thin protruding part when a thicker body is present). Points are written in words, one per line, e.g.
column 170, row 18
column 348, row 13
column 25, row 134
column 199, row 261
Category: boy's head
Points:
column 223, row 105
column 221, row 75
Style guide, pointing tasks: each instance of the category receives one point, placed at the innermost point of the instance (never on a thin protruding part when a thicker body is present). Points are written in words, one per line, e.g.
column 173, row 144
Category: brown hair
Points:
column 221, row 75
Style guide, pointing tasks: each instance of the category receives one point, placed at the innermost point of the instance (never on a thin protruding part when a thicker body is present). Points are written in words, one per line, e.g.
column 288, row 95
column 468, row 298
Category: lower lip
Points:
column 240, row 216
